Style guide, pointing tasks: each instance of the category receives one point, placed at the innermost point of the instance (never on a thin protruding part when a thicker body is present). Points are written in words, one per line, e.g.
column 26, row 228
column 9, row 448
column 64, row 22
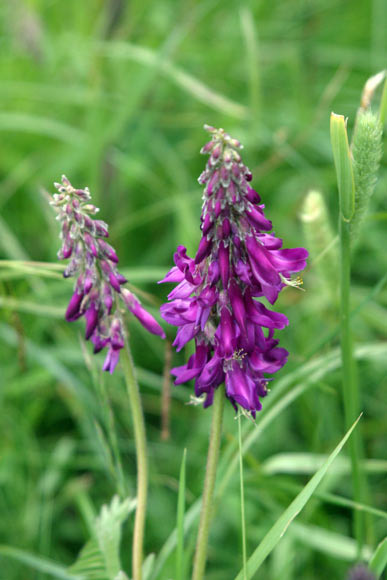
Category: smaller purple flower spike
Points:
column 217, row 300
column 97, row 294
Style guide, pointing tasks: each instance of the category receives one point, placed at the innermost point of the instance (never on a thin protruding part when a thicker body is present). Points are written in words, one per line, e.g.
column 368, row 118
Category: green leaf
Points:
column 343, row 164
column 99, row 559
column 378, row 561
column 283, row 522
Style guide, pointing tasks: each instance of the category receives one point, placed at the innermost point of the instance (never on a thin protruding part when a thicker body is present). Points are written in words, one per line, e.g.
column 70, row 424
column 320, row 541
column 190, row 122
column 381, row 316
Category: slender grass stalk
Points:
column 141, row 456
column 346, row 187
column 209, row 485
column 350, row 387
column 243, row 522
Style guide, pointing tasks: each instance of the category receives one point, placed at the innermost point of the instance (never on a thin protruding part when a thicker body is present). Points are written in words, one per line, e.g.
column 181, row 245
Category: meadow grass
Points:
column 115, row 95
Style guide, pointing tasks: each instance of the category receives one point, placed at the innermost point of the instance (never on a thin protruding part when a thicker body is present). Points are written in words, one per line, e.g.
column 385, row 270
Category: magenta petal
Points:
column 269, row 362
column 227, row 332
column 72, row 312
column 91, row 316
column 238, row 306
column 256, row 218
column 184, row 335
column 174, row 275
column 147, row 321
column 224, row 264
column 203, row 250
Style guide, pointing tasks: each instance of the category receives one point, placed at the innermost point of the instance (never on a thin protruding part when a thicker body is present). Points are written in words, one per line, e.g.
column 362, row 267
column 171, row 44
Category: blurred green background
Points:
column 114, row 94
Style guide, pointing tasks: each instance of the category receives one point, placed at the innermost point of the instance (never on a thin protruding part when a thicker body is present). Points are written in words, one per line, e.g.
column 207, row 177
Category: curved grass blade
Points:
column 279, row 528
column 378, row 561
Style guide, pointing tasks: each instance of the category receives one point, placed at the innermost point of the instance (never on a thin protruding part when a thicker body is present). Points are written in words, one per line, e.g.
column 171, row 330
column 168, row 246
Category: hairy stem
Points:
column 243, row 522
column 209, row 485
column 141, row 456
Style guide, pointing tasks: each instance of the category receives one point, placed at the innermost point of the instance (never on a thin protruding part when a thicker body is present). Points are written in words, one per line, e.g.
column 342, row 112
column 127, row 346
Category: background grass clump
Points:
column 114, row 94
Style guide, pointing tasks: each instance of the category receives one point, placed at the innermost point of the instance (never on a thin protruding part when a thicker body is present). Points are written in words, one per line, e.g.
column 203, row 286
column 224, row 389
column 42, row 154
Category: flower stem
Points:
column 209, row 485
column 244, row 551
column 141, row 455
column 350, row 388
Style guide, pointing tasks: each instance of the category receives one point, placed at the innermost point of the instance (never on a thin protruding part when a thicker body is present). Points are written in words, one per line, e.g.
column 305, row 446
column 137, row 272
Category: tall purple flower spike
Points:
column 214, row 302
column 98, row 290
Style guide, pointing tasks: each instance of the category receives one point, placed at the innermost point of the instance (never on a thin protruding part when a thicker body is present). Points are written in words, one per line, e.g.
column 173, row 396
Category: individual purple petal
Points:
column 259, row 314
column 114, row 282
column 174, row 275
column 227, row 332
column 141, row 314
column 111, row 360
column 72, row 312
column 237, row 304
column 91, row 315
column 240, row 387
column 184, row 335
column 108, row 251
column 203, row 250
column 224, row 263
column 256, row 218
column 268, row 362
column 260, row 264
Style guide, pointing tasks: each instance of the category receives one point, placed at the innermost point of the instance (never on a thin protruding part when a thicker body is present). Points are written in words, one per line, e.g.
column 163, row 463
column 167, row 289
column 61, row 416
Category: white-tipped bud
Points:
column 320, row 239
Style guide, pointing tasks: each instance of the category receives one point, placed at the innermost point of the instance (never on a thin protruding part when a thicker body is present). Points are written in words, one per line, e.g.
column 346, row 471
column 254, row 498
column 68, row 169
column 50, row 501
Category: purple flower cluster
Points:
column 99, row 284
column 215, row 302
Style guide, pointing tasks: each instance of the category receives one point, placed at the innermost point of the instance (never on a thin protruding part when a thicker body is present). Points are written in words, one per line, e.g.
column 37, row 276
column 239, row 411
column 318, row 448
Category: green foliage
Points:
column 115, row 94
column 100, row 558
column 281, row 525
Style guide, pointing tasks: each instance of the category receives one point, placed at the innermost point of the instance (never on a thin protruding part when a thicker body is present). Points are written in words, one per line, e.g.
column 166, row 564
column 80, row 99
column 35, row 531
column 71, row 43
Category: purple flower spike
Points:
column 98, row 286
column 217, row 300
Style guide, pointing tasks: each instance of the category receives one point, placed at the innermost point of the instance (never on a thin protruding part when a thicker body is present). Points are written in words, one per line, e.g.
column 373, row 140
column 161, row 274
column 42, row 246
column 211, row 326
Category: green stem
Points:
column 350, row 388
column 244, row 551
column 142, row 467
column 209, row 485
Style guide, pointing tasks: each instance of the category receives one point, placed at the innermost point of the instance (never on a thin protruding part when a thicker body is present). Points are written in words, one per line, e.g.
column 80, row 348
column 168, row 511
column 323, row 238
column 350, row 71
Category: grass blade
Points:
column 343, row 164
column 378, row 560
column 38, row 563
column 279, row 528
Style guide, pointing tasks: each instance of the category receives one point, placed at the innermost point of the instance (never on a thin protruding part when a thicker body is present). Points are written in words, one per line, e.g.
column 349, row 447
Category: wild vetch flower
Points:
column 214, row 303
column 98, row 291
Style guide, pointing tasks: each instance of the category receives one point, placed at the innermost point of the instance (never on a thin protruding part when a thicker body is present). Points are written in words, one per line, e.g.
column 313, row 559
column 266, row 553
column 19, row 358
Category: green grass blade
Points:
column 180, row 521
column 40, row 126
column 188, row 83
column 328, row 542
column 279, row 528
column 343, row 164
column 38, row 563
column 378, row 561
